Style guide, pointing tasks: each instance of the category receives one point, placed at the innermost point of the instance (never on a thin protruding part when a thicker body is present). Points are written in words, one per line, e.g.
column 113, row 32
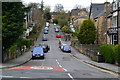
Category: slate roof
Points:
column 74, row 12
column 96, row 9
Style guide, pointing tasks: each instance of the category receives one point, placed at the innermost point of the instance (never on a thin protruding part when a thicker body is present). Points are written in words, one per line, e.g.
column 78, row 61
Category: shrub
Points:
column 108, row 53
column 27, row 42
column 13, row 48
column 117, row 54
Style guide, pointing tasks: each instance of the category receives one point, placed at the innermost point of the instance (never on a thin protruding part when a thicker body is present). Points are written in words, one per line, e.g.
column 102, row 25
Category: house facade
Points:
column 114, row 31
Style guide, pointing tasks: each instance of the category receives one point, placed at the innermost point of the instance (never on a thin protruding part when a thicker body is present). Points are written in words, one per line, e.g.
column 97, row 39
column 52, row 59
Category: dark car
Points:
column 66, row 48
column 46, row 48
column 37, row 53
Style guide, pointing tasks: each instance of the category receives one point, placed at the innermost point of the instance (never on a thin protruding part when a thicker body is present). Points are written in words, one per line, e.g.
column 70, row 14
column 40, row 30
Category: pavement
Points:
column 27, row 56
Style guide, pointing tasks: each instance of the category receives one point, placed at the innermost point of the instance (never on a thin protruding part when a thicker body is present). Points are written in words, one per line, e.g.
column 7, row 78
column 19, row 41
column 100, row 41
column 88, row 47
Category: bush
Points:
column 108, row 53
column 27, row 42
column 12, row 49
column 117, row 54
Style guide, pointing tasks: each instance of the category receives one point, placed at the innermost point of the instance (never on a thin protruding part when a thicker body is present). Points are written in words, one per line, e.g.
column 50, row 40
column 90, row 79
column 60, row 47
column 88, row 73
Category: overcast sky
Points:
column 67, row 4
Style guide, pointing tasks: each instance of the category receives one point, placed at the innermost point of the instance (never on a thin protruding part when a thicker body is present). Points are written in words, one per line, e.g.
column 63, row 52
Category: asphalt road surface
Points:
column 57, row 65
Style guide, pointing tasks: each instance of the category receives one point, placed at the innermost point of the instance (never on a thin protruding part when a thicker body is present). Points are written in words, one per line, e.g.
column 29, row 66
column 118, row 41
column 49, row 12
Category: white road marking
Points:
column 24, row 77
column 60, row 66
column 7, row 76
column 65, row 69
column 70, row 76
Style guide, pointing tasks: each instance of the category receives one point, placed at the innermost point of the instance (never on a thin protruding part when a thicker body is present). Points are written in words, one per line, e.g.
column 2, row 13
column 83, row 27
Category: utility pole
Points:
column 90, row 9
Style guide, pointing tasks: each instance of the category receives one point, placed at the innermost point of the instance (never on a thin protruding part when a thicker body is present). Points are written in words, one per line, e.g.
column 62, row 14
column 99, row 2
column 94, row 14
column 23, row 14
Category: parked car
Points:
column 58, row 35
column 61, row 45
column 37, row 53
column 44, row 38
column 66, row 48
column 45, row 32
column 56, row 29
column 46, row 29
column 46, row 48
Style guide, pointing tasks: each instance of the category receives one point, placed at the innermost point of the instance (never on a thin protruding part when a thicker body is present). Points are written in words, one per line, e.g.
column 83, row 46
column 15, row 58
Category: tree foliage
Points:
column 47, row 15
column 87, row 33
column 55, row 21
column 66, row 29
column 63, row 18
column 12, row 22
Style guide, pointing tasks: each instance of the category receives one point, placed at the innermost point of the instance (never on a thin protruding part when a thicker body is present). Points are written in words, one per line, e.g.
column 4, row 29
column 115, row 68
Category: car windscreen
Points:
column 38, row 50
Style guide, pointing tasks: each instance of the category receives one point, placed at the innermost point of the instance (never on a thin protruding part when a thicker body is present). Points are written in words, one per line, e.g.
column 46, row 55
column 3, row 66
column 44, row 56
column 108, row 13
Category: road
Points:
column 57, row 65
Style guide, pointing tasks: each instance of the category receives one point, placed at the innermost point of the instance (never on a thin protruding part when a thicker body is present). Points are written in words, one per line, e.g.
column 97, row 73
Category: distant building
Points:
column 78, row 16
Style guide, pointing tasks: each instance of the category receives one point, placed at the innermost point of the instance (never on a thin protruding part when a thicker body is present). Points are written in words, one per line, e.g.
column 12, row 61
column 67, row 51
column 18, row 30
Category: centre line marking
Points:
column 24, row 77
column 70, row 76
column 60, row 66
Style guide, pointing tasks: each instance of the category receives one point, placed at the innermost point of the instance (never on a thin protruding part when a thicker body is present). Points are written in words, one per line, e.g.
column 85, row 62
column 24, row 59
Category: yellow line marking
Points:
column 112, row 73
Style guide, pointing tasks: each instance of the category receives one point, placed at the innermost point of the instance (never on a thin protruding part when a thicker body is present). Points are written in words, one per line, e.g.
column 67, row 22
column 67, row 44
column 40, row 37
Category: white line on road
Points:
column 24, row 77
column 60, row 66
column 7, row 76
column 65, row 69
column 70, row 76
column 57, row 61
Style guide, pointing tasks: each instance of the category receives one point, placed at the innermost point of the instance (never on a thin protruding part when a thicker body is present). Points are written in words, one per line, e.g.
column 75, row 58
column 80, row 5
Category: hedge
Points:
column 111, row 53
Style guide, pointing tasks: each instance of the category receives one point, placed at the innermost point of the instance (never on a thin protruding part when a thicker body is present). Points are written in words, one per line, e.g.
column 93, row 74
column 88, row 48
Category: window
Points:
column 119, row 3
column 115, row 5
column 115, row 21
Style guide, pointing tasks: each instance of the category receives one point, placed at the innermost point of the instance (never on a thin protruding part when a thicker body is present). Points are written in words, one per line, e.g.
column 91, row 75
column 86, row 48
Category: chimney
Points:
column 106, row 5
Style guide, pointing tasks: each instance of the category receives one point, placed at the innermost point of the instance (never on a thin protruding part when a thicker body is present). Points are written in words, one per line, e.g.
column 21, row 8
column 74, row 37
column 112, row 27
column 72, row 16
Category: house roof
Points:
column 104, row 11
column 96, row 9
column 74, row 12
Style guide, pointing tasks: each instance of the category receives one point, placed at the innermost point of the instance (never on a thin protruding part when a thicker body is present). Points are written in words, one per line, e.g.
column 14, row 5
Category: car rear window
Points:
column 38, row 50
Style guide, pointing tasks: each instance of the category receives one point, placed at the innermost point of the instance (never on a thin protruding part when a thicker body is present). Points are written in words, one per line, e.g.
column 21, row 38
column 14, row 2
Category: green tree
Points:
column 55, row 21
column 12, row 22
column 47, row 14
column 87, row 33
column 63, row 18
column 66, row 29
